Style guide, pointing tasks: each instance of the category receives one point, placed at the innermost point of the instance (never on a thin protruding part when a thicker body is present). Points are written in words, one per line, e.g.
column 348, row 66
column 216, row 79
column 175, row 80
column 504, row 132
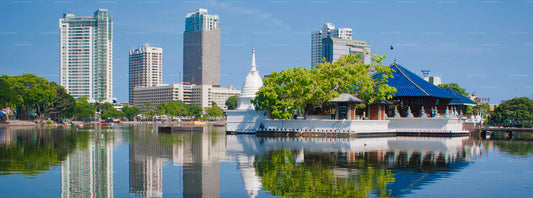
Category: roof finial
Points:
column 253, row 59
column 394, row 60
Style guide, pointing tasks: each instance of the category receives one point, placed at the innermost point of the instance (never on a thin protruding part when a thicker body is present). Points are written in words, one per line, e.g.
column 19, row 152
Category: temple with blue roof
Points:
column 417, row 108
column 413, row 92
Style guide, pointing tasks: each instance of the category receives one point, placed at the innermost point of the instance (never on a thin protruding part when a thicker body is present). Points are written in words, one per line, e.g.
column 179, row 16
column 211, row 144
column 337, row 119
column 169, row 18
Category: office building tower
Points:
column 201, row 49
column 86, row 55
column 146, row 68
column 327, row 30
column 334, row 48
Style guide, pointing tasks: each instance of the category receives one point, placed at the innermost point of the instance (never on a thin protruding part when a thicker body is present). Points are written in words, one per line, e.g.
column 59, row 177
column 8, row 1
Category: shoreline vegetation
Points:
column 28, row 123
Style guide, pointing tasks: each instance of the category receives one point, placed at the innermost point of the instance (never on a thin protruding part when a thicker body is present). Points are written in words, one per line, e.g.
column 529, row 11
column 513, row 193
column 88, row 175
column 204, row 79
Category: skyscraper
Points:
column 327, row 30
column 86, row 55
column 201, row 48
column 146, row 65
column 334, row 48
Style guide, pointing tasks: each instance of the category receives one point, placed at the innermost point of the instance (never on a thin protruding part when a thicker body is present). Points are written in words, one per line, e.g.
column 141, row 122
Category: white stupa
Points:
column 244, row 119
column 251, row 85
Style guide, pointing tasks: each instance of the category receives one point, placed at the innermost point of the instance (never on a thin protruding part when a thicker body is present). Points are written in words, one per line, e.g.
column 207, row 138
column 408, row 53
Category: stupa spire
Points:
column 253, row 59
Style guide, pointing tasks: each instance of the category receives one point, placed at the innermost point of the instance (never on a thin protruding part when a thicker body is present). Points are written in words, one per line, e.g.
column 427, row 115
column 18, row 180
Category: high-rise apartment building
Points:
column 86, row 55
column 201, row 49
column 146, row 68
column 327, row 30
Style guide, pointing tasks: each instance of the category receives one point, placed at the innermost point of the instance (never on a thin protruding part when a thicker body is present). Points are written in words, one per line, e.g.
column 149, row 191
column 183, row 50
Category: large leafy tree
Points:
column 195, row 110
column 214, row 111
column 516, row 112
column 174, row 108
column 37, row 93
column 231, row 102
column 83, row 109
column 299, row 89
column 130, row 111
column 111, row 112
column 7, row 94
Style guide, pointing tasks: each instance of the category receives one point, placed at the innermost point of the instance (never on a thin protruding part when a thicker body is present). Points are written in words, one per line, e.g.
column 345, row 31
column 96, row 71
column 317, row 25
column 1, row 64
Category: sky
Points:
column 484, row 46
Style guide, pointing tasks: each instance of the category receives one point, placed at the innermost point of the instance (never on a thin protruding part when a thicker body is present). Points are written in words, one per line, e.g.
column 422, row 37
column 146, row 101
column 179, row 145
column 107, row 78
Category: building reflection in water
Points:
column 198, row 154
column 88, row 171
column 349, row 158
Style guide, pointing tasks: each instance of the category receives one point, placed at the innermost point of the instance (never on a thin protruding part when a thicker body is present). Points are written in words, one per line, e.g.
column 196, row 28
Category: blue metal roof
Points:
column 409, row 84
column 461, row 99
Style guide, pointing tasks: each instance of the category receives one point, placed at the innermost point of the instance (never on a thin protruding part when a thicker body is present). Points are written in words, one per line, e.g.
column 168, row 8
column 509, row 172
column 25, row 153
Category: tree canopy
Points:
column 231, row 102
column 29, row 91
column 130, row 111
column 455, row 87
column 516, row 112
column 83, row 109
column 214, row 111
column 297, row 89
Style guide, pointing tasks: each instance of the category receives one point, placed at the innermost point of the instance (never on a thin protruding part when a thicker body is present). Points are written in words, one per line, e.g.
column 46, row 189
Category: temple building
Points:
column 414, row 94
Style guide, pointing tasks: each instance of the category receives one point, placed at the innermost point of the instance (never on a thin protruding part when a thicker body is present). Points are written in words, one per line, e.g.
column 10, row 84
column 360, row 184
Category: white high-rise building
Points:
column 146, row 68
column 327, row 30
column 86, row 55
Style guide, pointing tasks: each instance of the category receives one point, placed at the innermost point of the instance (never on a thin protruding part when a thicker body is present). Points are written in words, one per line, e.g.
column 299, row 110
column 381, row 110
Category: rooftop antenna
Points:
column 425, row 72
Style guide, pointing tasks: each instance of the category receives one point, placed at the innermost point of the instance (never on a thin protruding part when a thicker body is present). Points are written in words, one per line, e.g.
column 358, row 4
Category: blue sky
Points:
column 484, row 46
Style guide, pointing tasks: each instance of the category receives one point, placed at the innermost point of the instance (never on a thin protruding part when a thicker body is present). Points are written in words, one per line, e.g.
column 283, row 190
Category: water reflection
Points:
column 88, row 171
column 382, row 167
column 198, row 154
column 287, row 167
column 32, row 152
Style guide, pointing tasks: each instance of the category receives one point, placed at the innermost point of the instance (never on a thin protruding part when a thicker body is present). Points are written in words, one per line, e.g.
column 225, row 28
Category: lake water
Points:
column 137, row 161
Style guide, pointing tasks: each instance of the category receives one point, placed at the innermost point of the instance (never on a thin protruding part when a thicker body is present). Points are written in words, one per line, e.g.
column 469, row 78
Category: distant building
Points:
column 334, row 48
column 435, row 80
column 86, row 55
column 201, row 48
column 145, row 68
column 327, row 30
column 202, row 95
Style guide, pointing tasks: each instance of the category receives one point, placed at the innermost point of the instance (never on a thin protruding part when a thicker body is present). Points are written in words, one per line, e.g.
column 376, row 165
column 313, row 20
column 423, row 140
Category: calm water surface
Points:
column 139, row 162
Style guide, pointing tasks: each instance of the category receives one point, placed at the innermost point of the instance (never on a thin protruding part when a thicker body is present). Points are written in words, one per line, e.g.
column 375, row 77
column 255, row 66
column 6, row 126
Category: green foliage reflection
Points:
column 283, row 176
column 516, row 148
column 34, row 152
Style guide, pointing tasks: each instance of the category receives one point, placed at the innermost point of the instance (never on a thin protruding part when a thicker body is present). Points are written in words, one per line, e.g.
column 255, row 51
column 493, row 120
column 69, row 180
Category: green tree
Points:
column 149, row 111
column 195, row 110
column 83, row 109
column 130, row 111
column 516, row 112
column 7, row 94
column 231, row 102
column 455, row 87
column 214, row 111
column 298, row 89
column 111, row 112
column 173, row 108
column 37, row 93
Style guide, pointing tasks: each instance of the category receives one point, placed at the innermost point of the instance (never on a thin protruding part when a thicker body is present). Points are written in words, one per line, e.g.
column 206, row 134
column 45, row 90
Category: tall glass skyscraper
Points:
column 86, row 55
column 201, row 48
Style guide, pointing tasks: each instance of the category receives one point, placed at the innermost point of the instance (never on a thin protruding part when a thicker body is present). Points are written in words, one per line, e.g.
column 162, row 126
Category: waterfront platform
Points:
column 180, row 129
column 436, row 127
